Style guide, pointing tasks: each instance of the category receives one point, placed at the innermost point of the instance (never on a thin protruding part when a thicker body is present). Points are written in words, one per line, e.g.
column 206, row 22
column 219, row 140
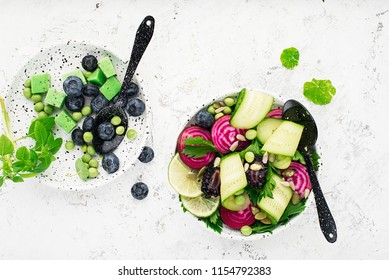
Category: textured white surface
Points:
column 203, row 49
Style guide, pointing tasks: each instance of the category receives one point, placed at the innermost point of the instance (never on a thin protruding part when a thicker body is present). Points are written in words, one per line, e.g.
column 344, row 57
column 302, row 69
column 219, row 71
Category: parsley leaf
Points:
column 290, row 57
column 270, row 184
column 197, row 147
column 315, row 160
column 254, row 194
column 214, row 222
column 255, row 148
column 299, row 157
column 319, row 91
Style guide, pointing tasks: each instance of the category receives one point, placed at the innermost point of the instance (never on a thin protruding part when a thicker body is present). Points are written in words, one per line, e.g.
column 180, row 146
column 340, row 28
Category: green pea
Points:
column 120, row 130
column 93, row 163
column 239, row 192
column 131, row 134
column 49, row 109
column 229, row 101
column 116, row 120
column 39, row 107
column 84, row 148
column 251, row 134
column 27, row 93
column 216, row 105
column 219, row 115
column 86, row 158
column 27, row 83
column 90, row 150
column 239, row 200
column 36, row 98
column 249, row 157
column 93, row 172
column 246, row 230
column 87, row 74
column 77, row 116
column 211, row 110
column 69, row 145
column 42, row 114
column 88, row 137
column 227, row 111
column 86, row 110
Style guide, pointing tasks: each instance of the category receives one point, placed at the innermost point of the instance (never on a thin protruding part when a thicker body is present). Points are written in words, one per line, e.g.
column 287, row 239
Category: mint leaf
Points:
column 197, row 147
column 19, row 166
column 22, row 153
column 82, row 169
column 290, row 57
column 1, row 181
column 40, row 135
column 319, row 91
column 17, row 179
column 47, row 122
column 6, row 146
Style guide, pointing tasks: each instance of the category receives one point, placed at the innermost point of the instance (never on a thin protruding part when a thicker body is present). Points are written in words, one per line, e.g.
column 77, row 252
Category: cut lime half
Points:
column 201, row 206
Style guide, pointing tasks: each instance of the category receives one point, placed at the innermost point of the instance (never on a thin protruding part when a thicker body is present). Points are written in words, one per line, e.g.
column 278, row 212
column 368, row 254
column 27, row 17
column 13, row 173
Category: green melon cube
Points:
column 65, row 121
column 55, row 98
column 111, row 88
column 97, row 77
column 77, row 73
column 40, row 83
column 107, row 67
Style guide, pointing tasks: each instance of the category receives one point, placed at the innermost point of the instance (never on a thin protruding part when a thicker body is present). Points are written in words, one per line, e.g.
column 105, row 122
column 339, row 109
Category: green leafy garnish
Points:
column 299, row 157
column 319, row 91
column 82, row 169
column 255, row 148
column 270, row 184
column 290, row 211
column 27, row 162
column 315, row 160
column 197, row 147
column 290, row 57
column 214, row 222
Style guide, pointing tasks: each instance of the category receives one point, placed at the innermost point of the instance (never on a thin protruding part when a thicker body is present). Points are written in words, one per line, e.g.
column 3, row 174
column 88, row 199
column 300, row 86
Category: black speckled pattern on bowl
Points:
column 56, row 61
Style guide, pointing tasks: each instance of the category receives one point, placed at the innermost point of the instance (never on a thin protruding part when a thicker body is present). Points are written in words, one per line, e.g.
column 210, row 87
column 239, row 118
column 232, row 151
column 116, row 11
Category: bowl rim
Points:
column 233, row 234
column 137, row 77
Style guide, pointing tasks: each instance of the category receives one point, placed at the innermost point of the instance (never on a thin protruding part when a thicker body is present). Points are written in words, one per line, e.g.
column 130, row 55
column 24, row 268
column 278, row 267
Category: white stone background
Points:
column 200, row 50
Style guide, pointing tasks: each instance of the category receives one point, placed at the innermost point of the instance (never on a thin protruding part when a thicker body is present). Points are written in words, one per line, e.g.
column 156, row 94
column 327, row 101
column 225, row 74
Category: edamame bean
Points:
column 42, row 114
column 86, row 158
column 27, row 83
column 38, row 107
column 77, row 116
column 84, row 148
column 229, row 101
column 227, row 111
column 93, row 172
column 93, row 163
column 49, row 109
column 131, row 134
column 116, row 120
column 251, row 134
column 218, row 116
column 36, row 98
column 69, row 145
column 211, row 110
column 120, row 130
column 88, row 137
column 249, row 157
column 86, row 110
column 27, row 93
column 246, row 230
column 90, row 150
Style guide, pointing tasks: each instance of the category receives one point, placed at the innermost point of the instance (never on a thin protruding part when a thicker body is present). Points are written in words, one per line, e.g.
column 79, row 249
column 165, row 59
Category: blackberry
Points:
column 210, row 185
column 257, row 179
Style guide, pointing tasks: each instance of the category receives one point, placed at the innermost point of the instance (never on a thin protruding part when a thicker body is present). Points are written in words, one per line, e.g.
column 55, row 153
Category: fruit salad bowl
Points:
column 237, row 215
column 59, row 60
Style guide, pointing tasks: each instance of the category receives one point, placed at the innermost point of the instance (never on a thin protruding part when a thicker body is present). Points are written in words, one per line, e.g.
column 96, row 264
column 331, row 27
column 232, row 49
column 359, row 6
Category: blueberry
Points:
column 204, row 119
column 73, row 86
column 132, row 90
column 110, row 163
column 106, row 131
column 139, row 190
column 87, row 125
column 89, row 63
column 75, row 103
column 90, row 90
column 98, row 103
column 146, row 155
column 135, row 107
column 77, row 137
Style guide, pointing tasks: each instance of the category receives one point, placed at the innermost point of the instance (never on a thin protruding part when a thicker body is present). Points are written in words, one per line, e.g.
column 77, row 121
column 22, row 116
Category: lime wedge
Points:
column 201, row 206
column 183, row 179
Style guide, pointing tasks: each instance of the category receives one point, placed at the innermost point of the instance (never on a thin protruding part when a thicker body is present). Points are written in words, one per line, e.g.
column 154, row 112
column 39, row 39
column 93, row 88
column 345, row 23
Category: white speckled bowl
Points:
column 228, row 232
column 56, row 61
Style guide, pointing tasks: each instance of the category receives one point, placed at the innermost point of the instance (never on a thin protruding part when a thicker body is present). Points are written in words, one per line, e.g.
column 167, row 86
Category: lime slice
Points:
column 201, row 206
column 183, row 179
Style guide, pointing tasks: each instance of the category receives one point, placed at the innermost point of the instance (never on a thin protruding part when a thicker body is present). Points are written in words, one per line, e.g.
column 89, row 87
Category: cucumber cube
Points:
column 55, row 98
column 97, row 77
column 107, row 67
column 77, row 73
column 65, row 121
column 40, row 83
column 111, row 88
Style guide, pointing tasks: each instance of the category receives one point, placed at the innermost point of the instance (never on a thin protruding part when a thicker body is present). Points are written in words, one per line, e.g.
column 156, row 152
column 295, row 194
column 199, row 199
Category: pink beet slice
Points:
column 194, row 131
column 276, row 113
column 237, row 219
column 224, row 135
column 300, row 178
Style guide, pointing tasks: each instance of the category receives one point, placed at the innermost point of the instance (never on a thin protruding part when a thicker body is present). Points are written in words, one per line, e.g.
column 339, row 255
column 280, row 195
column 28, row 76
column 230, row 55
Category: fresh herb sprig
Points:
column 23, row 162
column 197, row 147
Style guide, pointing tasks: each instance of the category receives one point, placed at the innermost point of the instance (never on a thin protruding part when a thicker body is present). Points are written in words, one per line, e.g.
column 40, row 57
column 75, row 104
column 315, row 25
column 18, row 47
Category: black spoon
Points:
column 142, row 39
column 296, row 112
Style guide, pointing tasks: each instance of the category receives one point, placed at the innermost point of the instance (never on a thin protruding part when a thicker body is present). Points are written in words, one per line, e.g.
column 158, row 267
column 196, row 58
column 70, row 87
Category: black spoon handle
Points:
column 327, row 222
column 142, row 40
